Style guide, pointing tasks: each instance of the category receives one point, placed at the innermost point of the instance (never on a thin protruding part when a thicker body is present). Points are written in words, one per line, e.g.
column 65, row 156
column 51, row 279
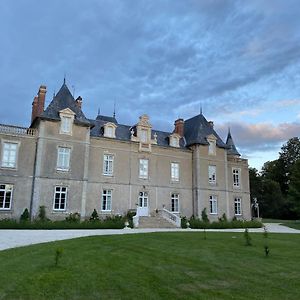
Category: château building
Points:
column 69, row 163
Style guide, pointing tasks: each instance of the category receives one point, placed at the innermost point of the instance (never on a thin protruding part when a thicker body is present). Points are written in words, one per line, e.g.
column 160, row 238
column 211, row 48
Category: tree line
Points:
column 277, row 186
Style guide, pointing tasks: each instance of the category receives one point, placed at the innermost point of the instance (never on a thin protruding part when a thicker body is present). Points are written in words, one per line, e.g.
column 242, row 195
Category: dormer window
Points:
column 67, row 118
column 212, row 143
column 144, row 135
column 174, row 140
column 110, row 130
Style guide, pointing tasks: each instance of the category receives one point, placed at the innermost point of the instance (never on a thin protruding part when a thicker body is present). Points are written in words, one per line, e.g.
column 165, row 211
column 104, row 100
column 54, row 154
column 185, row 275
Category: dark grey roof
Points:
column 64, row 99
column 107, row 119
column 229, row 142
column 196, row 130
column 123, row 133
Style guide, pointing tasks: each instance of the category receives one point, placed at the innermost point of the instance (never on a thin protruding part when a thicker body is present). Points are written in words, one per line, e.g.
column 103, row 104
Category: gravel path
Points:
column 10, row 238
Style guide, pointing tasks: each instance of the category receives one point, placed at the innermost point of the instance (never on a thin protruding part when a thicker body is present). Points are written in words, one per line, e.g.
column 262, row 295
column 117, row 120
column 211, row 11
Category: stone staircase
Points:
column 155, row 222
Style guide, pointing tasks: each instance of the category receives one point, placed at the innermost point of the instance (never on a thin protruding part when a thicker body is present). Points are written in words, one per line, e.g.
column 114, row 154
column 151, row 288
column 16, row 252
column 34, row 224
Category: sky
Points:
column 238, row 60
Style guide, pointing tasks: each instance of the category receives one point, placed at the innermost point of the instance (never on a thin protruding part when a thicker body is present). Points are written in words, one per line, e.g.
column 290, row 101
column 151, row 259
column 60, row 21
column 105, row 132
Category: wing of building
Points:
column 69, row 163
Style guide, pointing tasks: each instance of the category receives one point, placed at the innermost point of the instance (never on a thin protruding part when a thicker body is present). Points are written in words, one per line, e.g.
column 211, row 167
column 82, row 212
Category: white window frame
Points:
column 174, row 141
column 8, row 188
column 9, row 163
column 212, row 174
column 108, row 164
column 63, row 158
column 175, row 202
column 58, row 189
column 143, row 168
column 144, row 135
column 106, row 200
column 175, row 171
column 110, row 130
column 236, row 177
column 212, row 147
column 237, row 206
column 213, row 205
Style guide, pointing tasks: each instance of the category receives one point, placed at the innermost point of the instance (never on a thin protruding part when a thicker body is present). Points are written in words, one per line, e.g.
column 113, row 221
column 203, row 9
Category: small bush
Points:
column 42, row 213
column 204, row 216
column 247, row 237
column 25, row 216
column 223, row 218
column 73, row 217
column 94, row 215
column 58, row 255
column 183, row 222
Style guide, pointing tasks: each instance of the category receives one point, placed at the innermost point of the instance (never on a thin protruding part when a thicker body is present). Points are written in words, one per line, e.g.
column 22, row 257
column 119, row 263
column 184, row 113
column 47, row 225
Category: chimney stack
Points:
column 211, row 124
column 78, row 102
column 38, row 104
column 179, row 127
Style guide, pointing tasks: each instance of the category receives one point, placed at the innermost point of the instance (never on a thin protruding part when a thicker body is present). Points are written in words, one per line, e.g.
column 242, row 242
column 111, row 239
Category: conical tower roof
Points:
column 230, row 143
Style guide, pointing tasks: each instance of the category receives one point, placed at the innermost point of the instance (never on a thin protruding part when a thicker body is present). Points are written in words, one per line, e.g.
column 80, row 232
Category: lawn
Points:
column 155, row 266
column 289, row 223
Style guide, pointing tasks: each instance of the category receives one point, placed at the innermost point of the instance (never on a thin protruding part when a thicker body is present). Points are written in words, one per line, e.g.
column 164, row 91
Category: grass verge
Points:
column 155, row 266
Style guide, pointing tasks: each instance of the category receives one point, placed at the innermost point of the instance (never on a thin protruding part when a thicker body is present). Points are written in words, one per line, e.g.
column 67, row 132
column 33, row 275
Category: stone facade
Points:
column 71, row 164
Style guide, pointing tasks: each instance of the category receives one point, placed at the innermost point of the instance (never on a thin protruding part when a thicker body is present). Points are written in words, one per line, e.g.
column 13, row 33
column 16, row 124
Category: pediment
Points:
column 67, row 111
column 211, row 137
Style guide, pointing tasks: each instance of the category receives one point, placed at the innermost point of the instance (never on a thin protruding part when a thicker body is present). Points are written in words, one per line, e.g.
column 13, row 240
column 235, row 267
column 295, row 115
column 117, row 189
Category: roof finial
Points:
column 114, row 114
column 65, row 78
column 99, row 111
column 200, row 109
column 53, row 93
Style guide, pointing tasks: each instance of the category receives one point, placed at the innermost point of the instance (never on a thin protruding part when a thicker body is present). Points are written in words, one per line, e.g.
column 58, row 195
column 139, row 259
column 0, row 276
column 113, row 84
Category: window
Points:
column 236, row 177
column 106, row 200
column 143, row 171
column 212, row 147
column 174, row 141
column 110, row 130
column 6, row 191
column 108, row 164
column 9, row 155
column 212, row 174
column 144, row 136
column 143, row 199
column 60, row 198
column 213, row 203
column 175, row 171
column 175, row 202
column 63, row 158
column 66, row 125
column 237, row 206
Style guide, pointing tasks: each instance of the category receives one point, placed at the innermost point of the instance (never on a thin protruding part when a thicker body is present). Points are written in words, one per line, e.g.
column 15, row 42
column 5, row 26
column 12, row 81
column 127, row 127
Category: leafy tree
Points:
column 294, row 190
column 290, row 153
column 255, row 184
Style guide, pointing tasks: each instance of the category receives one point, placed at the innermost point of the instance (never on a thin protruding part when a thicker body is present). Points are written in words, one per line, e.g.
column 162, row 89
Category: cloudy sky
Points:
column 239, row 60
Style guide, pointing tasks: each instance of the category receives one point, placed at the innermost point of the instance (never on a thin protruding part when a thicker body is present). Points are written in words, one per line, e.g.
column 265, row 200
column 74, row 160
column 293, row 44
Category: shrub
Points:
column 25, row 215
column 94, row 215
column 58, row 255
column 247, row 237
column 42, row 213
column 223, row 218
column 73, row 217
column 183, row 222
column 204, row 216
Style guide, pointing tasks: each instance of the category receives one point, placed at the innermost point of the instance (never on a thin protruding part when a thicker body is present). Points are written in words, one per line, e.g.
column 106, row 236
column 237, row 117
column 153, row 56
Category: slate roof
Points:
column 229, row 142
column 196, row 130
column 64, row 99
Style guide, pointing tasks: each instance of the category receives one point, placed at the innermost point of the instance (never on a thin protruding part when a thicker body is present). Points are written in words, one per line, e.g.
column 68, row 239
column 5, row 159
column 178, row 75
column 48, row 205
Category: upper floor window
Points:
column 60, row 198
column 212, row 147
column 175, row 202
column 66, row 125
column 110, row 130
column 212, row 174
column 9, row 155
column 63, row 158
column 213, row 204
column 108, row 164
column 143, row 168
column 175, row 171
column 174, row 141
column 236, row 177
column 144, row 135
column 237, row 206
column 6, row 191
column 106, row 200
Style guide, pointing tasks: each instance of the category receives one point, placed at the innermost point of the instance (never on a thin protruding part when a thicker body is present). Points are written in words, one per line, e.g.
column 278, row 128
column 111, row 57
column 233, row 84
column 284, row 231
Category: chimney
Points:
column 179, row 127
column 78, row 102
column 38, row 104
column 211, row 124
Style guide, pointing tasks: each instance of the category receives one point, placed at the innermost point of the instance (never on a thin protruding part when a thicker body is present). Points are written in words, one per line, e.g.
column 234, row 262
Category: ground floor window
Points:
column 213, row 203
column 60, row 198
column 106, row 200
column 175, row 202
column 6, row 191
column 143, row 199
column 237, row 206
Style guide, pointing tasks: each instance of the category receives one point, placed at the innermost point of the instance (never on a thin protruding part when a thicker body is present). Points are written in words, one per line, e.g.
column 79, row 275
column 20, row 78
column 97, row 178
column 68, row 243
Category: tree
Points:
column 255, row 184
column 294, row 190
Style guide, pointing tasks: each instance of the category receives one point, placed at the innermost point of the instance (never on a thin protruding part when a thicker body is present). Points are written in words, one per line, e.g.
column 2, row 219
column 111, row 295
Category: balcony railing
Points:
column 16, row 130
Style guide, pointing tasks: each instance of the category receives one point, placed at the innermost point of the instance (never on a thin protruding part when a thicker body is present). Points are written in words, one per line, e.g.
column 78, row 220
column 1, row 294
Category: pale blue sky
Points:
column 238, row 59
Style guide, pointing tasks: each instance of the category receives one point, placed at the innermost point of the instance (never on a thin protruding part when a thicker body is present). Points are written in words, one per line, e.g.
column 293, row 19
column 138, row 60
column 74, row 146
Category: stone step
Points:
column 155, row 222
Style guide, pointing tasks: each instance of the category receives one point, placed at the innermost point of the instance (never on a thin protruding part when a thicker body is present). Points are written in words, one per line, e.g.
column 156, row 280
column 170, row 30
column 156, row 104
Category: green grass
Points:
column 289, row 223
column 155, row 266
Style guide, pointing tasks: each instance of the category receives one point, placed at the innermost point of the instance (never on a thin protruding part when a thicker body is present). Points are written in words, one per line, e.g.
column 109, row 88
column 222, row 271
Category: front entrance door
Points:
column 143, row 204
